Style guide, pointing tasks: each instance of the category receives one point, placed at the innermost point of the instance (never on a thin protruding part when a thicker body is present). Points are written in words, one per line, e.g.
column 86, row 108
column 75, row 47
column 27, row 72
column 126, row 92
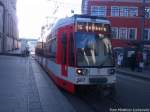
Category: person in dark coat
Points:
column 139, row 60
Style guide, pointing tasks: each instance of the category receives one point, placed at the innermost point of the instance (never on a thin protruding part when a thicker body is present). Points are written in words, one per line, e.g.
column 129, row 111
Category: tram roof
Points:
column 79, row 18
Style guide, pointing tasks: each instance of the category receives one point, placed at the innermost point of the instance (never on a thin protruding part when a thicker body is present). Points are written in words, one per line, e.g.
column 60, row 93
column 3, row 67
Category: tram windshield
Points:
column 93, row 50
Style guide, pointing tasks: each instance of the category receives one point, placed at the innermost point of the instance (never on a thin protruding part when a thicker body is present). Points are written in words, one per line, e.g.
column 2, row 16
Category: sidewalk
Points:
column 145, row 74
column 25, row 87
column 13, row 53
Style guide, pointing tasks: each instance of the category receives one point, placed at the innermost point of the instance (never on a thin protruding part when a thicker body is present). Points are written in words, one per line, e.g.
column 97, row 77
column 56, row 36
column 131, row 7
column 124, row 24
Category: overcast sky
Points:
column 32, row 14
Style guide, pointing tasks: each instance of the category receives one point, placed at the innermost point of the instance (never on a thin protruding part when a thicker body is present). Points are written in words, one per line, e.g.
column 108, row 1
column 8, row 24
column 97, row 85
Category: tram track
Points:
column 93, row 108
column 106, row 108
column 112, row 99
column 98, row 102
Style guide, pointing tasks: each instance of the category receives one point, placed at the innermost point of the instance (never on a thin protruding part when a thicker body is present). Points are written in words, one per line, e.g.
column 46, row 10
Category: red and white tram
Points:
column 78, row 52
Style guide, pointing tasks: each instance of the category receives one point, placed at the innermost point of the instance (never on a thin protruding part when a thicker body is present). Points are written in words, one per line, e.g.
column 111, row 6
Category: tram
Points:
column 78, row 53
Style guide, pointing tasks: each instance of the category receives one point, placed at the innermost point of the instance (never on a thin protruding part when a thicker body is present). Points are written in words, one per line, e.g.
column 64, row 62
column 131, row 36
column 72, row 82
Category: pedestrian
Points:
column 120, row 60
column 139, row 60
column 145, row 58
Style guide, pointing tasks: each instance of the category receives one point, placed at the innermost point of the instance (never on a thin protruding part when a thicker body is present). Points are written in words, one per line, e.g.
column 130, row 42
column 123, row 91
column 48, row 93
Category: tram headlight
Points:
column 111, row 71
column 80, row 71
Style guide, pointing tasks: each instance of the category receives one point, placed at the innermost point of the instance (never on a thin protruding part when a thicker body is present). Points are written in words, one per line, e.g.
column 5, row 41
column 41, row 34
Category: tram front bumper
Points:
column 97, row 80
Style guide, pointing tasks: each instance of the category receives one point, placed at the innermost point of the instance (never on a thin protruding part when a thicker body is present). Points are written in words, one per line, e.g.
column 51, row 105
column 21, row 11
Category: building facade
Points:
column 8, row 25
column 127, row 18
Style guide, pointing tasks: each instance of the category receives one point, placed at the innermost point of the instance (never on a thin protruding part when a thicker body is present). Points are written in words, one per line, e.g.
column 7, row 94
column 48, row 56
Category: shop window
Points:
column 146, row 34
column 123, row 33
column 114, row 32
column 132, row 33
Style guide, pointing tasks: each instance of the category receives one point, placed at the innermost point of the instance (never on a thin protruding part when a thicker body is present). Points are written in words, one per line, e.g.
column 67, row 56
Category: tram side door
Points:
column 64, row 67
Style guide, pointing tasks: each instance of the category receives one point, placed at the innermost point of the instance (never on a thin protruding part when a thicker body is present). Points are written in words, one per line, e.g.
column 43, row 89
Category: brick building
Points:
column 126, row 21
column 8, row 25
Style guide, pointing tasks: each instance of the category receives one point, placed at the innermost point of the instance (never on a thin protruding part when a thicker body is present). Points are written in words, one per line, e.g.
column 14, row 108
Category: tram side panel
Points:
column 58, row 67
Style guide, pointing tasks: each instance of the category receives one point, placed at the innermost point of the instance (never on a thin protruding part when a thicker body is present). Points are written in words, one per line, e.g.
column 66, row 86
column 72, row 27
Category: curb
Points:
column 144, row 77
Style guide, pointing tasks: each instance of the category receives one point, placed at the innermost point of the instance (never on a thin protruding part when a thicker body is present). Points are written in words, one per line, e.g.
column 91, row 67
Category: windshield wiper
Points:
column 101, row 65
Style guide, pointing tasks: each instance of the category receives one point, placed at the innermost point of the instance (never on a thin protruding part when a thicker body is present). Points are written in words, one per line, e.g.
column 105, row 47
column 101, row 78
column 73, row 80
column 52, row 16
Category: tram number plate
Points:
column 98, row 80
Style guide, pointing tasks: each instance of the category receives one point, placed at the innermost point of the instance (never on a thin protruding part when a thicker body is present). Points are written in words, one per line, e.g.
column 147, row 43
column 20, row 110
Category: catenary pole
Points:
column 142, row 25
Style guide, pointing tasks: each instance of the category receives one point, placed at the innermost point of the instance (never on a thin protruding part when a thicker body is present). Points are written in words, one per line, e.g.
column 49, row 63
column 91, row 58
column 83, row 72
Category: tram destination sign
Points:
column 92, row 27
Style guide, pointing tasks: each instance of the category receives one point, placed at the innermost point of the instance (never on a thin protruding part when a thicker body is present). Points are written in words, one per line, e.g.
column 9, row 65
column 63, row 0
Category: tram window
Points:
column 64, row 42
column 71, row 50
column 53, row 49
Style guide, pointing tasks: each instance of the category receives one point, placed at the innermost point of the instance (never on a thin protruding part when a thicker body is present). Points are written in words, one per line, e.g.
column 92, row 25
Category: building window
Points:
column 115, row 11
column 133, row 11
column 94, row 11
column 147, row 12
column 123, row 33
column 114, row 31
column 98, row 10
column 146, row 34
column 85, row 6
column 1, row 18
column 124, row 11
column 132, row 33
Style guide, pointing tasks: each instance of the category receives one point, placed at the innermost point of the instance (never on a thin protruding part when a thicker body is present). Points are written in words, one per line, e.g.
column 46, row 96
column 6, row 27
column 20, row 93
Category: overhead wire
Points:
column 61, row 5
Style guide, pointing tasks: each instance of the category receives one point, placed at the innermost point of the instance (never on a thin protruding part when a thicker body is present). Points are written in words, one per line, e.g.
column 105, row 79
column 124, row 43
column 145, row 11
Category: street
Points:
column 131, row 93
column 25, row 87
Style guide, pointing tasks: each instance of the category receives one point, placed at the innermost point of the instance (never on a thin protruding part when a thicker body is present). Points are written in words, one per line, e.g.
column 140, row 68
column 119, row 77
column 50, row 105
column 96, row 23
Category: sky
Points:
column 32, row 14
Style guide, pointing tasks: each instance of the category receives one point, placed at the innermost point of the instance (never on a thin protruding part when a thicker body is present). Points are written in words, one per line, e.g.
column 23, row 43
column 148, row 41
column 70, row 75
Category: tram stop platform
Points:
column 25, row 87
column 145, row 74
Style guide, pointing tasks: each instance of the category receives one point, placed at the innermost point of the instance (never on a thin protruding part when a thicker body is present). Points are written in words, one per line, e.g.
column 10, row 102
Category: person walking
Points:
column 145, row 58
column 120, row 60
column 139, row 59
